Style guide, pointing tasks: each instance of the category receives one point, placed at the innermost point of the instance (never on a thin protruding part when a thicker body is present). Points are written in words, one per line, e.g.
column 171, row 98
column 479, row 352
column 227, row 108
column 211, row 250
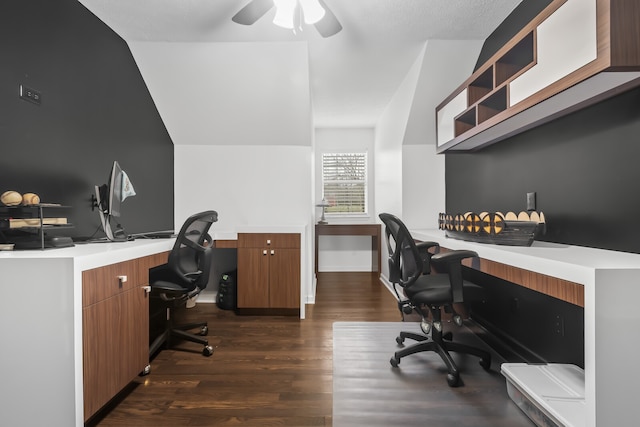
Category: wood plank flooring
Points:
column 368, row 392
column 265, row 370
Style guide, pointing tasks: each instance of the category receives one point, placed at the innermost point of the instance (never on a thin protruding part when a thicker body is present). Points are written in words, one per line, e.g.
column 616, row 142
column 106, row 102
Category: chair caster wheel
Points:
column 453, row 380
column 394, row 362
column 485, row 363
column 204, row 331
column 425, row 326
column 457, row 319
column 400, row 340
column 207, row 350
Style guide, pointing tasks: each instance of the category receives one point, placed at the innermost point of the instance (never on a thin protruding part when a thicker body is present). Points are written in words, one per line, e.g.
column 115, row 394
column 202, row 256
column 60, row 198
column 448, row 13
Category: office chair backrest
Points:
column 405, row 262
column 190, row 258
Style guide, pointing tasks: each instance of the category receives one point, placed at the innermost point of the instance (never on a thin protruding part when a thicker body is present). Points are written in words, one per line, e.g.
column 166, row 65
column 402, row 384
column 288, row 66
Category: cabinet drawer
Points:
column 101, row 283
column 104, row 282
column 271, row 240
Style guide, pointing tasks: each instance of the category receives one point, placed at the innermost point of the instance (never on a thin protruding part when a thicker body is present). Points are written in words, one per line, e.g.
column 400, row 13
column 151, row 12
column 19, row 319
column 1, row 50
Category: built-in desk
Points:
column 373, row 230
column 41, row 325
column 611, row 289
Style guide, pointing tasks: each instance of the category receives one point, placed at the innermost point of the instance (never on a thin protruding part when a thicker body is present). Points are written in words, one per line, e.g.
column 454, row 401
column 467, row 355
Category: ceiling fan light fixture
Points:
column 312, row 11
column 285, row 12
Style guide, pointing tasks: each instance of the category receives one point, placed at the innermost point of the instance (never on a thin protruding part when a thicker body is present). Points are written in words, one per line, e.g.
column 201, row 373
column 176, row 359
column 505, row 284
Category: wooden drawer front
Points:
column 101, row 283
column 270, row 240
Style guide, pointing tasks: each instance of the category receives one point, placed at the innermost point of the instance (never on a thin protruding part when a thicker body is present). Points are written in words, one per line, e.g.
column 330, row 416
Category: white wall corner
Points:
column 443, row 66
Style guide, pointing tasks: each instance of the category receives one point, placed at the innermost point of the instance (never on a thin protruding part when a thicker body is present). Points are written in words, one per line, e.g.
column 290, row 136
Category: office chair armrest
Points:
column 453, row 261
column 427, row 245
column 453, row 257
column 423, row 249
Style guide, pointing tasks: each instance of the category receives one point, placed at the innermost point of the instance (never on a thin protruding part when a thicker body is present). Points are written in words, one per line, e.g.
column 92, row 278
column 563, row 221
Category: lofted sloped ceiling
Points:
column 352, row 75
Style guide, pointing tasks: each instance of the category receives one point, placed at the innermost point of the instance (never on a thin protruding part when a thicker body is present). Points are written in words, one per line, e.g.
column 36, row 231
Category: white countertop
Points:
column 90, row 255
column 95, row 254
column 573, row 263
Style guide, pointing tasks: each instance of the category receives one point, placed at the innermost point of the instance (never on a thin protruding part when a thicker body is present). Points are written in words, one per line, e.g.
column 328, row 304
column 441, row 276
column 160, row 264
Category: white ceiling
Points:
column 353, row 74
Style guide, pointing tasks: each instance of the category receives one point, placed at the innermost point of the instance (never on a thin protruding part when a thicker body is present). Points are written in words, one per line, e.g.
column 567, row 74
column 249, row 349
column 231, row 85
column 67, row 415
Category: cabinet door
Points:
column 253, row 278
column 284, row 278
column 115, row 346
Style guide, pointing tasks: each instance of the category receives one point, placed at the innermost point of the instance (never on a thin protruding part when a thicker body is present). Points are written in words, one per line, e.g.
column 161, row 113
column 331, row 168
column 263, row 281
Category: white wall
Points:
column 247, row 185
column 423, row 191
column 345, row 253
column 229, row 93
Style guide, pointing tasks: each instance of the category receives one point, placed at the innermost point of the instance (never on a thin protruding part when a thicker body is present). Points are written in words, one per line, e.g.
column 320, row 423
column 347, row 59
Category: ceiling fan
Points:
column 290, row 14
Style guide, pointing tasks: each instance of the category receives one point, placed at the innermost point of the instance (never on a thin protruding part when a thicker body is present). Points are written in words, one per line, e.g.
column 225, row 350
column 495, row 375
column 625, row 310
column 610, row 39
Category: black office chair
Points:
column 392, row 228
column 429, row 292
column 184, row 276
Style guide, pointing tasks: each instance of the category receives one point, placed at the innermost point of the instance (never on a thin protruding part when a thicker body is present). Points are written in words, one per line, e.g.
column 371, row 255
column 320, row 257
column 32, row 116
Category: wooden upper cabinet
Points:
column 573, row 54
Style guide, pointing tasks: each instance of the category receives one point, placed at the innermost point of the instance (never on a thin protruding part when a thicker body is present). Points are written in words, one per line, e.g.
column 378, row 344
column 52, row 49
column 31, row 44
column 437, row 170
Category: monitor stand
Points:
column 119, row 235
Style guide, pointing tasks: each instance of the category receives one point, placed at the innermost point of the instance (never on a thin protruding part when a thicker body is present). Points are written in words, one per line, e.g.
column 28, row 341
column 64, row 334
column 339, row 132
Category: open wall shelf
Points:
column 516, row 59
column 481, row 86
column 492, row 104
column 555, row 65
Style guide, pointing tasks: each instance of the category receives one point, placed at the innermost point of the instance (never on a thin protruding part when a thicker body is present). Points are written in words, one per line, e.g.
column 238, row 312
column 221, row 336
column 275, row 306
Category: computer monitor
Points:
column 109, row 198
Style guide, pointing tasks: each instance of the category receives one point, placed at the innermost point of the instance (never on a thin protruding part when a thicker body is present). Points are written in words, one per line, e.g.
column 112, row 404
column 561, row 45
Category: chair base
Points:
column 167, row 337
column 437, row 344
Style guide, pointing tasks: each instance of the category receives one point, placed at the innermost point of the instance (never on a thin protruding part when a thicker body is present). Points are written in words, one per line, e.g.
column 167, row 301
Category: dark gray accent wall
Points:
column 95, row 109
column 583, row 168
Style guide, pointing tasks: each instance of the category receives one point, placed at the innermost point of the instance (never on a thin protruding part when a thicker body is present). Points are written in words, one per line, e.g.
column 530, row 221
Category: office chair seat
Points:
column 436, row 289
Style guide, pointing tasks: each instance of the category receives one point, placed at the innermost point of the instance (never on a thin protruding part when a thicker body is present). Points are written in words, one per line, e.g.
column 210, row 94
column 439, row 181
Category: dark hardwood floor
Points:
column 265, row 370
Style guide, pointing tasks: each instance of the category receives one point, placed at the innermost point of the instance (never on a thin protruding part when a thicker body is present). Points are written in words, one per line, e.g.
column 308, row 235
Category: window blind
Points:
column 344, row 182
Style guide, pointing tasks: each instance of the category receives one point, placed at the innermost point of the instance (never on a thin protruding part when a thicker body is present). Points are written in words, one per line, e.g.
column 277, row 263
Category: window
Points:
column 344, row 182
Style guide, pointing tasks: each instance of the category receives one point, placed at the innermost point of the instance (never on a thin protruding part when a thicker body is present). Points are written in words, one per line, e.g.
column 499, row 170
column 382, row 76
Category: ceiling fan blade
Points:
column 329, row 24
column 253, row 11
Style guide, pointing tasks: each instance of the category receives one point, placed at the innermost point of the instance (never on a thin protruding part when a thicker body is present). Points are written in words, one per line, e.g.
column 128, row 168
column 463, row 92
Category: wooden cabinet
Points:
column 269, row 270
column 115, row 328
column 573, row 54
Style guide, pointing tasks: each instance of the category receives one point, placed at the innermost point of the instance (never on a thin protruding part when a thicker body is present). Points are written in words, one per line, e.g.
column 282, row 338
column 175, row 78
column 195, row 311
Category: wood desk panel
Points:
column 564, row 290
column 558, row 288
